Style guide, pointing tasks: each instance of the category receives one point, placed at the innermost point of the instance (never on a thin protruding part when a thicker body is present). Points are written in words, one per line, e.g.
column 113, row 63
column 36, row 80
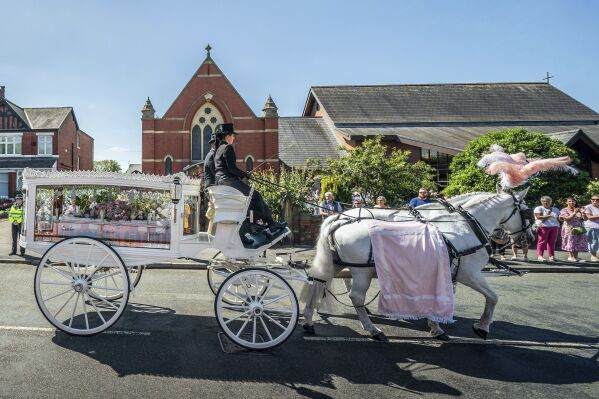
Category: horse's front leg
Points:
column 478, row 283
column 361, row 279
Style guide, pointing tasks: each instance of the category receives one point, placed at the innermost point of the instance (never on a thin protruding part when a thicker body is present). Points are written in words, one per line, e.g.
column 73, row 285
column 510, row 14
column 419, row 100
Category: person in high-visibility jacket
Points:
column 15, row 218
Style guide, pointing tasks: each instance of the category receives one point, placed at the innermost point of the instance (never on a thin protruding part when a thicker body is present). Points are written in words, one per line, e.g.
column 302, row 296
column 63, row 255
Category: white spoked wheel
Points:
column 266, row 311
column 65, row 281
column 216, row 274
column 105, row 289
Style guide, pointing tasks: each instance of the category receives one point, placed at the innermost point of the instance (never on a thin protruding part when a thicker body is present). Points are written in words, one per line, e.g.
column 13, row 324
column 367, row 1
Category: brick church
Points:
column 433, row 121
column 178, row 141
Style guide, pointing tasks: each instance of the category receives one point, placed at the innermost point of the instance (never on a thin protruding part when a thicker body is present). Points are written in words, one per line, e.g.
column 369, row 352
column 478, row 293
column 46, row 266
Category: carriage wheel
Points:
column 66, row 277
column 266, row 313
column 217, row 274
column 106, row 291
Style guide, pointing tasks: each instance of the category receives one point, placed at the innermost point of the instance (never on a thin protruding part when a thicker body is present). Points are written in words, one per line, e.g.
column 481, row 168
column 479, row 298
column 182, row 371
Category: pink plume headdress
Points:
column 515, row 170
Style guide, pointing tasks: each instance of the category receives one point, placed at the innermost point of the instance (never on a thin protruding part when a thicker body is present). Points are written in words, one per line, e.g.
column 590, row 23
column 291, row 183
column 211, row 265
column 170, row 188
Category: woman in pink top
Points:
column 572, row 216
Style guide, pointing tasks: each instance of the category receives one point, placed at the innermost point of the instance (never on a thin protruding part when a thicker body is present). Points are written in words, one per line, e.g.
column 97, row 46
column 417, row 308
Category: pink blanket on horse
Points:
column 413, row 271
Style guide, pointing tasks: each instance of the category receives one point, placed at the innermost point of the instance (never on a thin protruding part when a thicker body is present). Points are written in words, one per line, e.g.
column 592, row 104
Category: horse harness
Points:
column 454, row 255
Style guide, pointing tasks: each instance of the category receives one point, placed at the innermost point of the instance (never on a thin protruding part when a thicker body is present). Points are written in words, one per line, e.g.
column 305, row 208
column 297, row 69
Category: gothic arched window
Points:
column 207, row 133
column 249, row 163
column 196, row 143
column 168, row 165
column 206, row 119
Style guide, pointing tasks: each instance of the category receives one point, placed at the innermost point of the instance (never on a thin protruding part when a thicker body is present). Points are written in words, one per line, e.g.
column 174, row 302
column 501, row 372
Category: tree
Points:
column 465, row 176
column 292, row 184
column 107, row 165
column 374, row 169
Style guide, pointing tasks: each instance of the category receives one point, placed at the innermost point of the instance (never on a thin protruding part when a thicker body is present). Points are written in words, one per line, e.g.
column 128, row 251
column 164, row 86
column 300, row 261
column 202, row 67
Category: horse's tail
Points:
column 322, row 269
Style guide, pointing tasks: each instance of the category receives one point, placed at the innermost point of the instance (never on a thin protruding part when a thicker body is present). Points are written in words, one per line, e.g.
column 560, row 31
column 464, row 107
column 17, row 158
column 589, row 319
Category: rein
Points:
column 479, row 231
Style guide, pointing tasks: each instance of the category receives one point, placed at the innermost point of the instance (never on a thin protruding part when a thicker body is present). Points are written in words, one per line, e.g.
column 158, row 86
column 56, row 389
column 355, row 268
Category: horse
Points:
column 352, row 244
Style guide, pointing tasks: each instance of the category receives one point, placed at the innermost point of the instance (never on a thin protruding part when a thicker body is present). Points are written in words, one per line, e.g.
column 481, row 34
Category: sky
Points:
column 104, row 58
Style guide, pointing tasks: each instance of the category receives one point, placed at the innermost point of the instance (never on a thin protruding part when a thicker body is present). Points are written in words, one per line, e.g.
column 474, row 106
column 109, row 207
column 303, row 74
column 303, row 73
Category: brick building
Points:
column 40, row 138
column 179, row 139
column 435, row 121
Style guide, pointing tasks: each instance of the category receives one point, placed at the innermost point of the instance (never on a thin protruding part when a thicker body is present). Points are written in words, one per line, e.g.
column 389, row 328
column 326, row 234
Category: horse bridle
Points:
column 525, row 214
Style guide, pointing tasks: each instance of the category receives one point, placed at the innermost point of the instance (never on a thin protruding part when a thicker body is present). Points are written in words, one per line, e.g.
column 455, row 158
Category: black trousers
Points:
column 16, row 229
column 257, row 204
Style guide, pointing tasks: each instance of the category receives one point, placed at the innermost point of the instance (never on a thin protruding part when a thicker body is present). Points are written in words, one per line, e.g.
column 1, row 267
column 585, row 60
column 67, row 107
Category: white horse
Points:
column 352, row 244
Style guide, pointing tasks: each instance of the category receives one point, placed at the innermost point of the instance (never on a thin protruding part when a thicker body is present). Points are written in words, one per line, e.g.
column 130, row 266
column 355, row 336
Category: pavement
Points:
column 300, row 254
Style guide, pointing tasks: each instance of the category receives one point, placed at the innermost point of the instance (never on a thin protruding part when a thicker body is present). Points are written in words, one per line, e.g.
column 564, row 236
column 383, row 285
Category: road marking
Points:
column 50, row 329
column 473, row 341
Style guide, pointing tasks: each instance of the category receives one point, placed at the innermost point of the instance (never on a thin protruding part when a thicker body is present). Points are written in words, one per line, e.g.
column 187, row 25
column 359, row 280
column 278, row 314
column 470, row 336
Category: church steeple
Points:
column 148, row 112
column 270, row 109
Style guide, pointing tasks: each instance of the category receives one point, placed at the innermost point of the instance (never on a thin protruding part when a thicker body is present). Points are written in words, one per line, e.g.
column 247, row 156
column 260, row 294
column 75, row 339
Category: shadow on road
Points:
column 184, row 346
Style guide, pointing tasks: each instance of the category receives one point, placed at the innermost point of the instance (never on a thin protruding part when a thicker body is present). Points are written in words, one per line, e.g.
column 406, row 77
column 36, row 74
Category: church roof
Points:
column 303, row 138
column 450, row 103
column 453, row 139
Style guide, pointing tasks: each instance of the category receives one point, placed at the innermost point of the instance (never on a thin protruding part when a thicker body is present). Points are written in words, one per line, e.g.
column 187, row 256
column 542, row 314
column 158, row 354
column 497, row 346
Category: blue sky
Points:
column 105, row 57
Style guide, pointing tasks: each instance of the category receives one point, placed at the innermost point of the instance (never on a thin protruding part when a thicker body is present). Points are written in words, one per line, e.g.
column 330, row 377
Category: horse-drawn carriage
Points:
column 95, row 232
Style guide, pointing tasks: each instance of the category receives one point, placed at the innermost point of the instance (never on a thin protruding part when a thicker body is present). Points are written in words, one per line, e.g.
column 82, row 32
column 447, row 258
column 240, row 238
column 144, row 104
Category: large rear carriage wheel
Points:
column 66, row 280
column 260, row 316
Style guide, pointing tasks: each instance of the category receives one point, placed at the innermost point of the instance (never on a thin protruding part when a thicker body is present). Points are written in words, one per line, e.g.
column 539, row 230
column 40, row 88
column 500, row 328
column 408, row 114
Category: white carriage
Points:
column 95, row 232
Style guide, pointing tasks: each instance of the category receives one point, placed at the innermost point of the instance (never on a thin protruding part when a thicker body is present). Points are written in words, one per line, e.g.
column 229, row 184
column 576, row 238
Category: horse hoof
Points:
column 380, row 337
column 481, row 333
column 442, row 337
column 309, row 329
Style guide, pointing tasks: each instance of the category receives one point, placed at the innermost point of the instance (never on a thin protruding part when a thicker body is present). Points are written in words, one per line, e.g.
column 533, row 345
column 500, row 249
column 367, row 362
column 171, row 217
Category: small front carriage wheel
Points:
column 65, row 281
column 266, row 311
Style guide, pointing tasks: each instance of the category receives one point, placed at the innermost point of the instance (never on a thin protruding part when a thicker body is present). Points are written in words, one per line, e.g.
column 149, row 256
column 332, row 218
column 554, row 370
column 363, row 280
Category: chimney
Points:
column 2, row 91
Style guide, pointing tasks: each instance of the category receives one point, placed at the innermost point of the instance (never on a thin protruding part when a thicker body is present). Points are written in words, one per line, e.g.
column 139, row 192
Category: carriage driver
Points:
column 228, row 174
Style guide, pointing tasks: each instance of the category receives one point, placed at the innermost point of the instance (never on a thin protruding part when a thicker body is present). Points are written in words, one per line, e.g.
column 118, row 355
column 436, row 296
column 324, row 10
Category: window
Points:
column 122, row 216
column 205, row 144
column 78, row 160
column 78, row 142
column 440, row 162
column 249, row 163
column 196, row 143
column 168, row 165
column 44, row 145
column 10, row 145
column 204, row 123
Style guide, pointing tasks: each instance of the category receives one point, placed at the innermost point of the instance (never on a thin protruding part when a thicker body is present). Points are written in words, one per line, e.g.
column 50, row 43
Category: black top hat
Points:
column 225, row 129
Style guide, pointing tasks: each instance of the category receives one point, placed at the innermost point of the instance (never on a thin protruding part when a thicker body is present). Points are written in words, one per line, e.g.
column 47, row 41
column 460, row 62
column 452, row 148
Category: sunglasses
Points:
column 594, row 199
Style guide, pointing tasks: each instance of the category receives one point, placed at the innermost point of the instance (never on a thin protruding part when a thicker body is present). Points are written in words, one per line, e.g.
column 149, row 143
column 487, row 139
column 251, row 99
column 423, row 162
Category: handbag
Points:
column 578, row 230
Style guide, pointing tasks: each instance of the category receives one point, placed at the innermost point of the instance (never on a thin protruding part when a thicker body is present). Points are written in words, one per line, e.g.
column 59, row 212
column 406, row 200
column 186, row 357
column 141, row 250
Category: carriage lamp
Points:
column 177, row 193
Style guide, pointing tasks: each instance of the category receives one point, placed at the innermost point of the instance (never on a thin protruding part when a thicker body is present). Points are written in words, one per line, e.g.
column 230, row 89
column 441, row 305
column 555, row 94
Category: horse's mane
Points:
column 481, row 199
column 466, row 196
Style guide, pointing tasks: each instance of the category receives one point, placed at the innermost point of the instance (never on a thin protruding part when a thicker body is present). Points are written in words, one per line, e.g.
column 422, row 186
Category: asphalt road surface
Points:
column 544, row 343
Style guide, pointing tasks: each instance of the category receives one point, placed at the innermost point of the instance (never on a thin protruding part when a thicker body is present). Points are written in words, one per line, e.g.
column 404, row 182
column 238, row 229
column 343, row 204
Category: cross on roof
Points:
column 208, row 48
column 548, row 77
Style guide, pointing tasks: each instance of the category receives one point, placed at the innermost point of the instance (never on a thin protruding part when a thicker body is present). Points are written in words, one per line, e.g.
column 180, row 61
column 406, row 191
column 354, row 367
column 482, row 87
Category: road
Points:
column 545, row 343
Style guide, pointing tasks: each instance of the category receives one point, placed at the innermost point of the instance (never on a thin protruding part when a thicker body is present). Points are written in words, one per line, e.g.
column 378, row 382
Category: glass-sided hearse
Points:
column 96, row 230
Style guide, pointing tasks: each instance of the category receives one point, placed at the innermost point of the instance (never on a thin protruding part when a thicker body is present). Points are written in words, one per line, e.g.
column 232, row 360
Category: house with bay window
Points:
column 39, row 138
